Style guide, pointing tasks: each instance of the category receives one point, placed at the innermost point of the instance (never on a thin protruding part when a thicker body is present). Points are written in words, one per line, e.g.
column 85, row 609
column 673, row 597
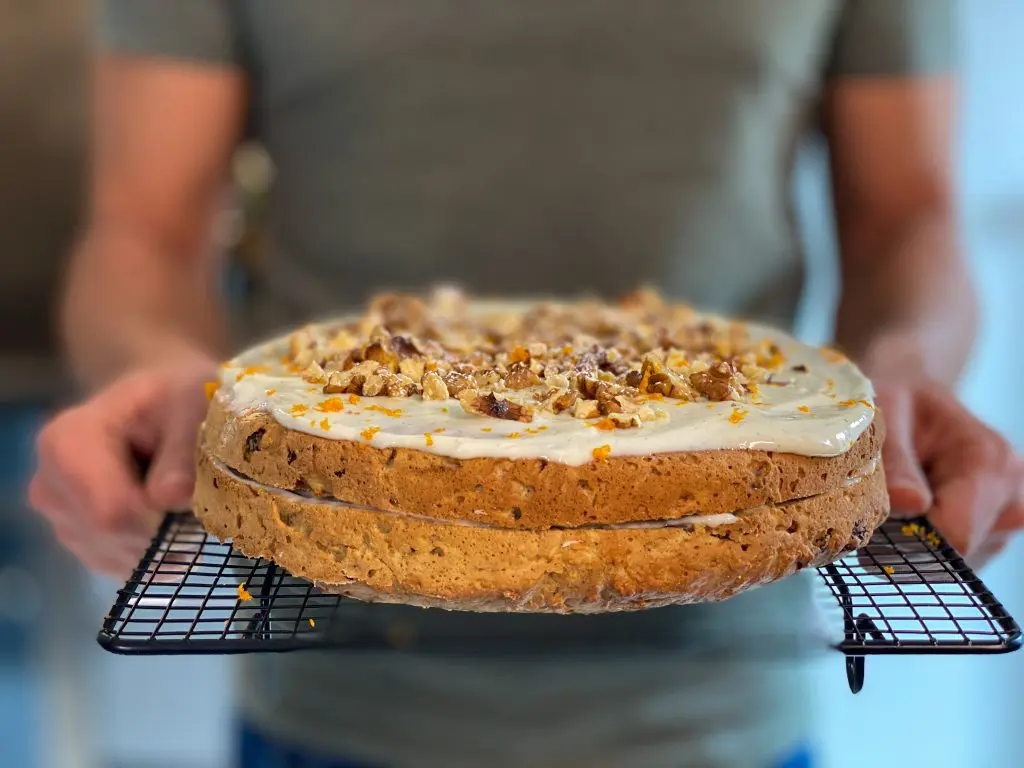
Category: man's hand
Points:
column 940, row 460
column 88, row 484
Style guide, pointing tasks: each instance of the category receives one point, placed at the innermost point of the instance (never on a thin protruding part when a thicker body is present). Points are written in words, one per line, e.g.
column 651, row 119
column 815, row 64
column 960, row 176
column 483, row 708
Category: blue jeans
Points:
column 258, row 751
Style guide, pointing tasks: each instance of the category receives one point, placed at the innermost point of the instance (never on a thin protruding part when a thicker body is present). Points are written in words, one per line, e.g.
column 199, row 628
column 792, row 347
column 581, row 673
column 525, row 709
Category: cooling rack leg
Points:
column 855, row 673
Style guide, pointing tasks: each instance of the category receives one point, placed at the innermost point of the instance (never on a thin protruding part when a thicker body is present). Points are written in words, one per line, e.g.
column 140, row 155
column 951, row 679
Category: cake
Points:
column 573, row 457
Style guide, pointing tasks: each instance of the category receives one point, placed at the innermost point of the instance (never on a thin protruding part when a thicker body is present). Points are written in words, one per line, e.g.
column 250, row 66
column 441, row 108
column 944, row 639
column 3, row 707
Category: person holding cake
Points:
column 517, row 149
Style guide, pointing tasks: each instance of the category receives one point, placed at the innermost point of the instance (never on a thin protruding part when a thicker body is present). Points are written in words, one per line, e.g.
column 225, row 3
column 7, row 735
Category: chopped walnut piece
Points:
column 399, row 385
column 625, row 420
column 719, row 382
column 373, row 385
column 537, row 349
column 489, row 405
column 586, row 409
column 606, row 395
column 314, row 374
column 434, row 387
column 412, row 367
column 563, row 401
column 520, row 376
column 404, row 347
column 458, row 383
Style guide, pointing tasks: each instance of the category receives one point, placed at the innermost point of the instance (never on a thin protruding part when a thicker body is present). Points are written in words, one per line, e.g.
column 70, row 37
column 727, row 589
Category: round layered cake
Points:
column 540, row 456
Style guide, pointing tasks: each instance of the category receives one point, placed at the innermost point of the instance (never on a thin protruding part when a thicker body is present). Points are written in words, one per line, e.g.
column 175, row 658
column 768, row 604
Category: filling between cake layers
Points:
column 564, row 383
column 685, row 522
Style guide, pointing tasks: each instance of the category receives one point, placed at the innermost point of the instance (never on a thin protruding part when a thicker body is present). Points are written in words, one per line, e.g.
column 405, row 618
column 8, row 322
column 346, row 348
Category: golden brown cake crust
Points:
column 396, row 558
column 526, row 493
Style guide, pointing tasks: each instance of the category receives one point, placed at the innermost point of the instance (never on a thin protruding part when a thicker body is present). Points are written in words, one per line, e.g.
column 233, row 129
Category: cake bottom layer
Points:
column 389, row 557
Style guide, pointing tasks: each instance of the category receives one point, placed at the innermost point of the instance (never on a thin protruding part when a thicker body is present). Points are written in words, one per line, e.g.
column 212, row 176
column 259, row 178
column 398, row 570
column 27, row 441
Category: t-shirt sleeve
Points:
column 195, row 30
column 879, row 38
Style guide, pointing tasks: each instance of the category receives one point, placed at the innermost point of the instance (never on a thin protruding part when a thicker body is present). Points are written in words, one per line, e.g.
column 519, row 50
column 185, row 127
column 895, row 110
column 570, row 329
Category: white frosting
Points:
column 821, row 412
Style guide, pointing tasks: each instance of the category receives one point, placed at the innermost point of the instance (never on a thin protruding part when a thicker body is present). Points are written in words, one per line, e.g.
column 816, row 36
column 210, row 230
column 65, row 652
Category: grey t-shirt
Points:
column 537, row 147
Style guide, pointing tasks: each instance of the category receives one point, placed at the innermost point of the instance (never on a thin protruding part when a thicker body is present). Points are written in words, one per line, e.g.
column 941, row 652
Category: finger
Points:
column 967, row 507
column 171, row 477
column 909, row 492
column 988, row 551
column 97, row 555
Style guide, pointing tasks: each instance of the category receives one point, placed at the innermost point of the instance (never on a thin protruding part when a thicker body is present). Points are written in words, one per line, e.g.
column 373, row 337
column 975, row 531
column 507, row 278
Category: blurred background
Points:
column 65, row 703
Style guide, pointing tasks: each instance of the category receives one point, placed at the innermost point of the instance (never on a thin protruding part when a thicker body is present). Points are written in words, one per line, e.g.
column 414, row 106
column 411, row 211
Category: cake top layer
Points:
column 571, row 382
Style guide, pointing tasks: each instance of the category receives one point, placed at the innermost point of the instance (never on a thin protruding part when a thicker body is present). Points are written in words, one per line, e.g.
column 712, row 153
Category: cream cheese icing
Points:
column 818, row 405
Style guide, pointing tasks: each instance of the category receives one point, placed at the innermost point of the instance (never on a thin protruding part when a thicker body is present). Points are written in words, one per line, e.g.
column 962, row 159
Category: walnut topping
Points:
column 520, row 376
column 586, row 360
column 717, row 383
column 434, row 387
column 489, row 405
column 458, row 383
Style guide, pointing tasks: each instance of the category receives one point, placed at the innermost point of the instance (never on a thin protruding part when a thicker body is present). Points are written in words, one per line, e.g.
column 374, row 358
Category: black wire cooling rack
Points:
column 905, row 592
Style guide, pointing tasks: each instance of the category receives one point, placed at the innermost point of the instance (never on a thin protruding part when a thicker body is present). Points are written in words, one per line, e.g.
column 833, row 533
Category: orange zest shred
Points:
column 331, row 405
column 243, row 593
column 429, row 438
column 252, row 369
column 889, row 569
column 832, row 355
column 271, row 392
column 567, row 349
column 804, row 409
column 513, row 435
column 285, row 359
column 738, row 415
column 211, row 388
column 485, row 429
column 603, row 425
column 353, row 399
column 368, row 433
column 601, row 452
column 325, row 424
column 519, row 355
column 933, row 539
column 298, row 409
column 312, row 623
column 439, row 430
column 911, row 529
column 392, row 412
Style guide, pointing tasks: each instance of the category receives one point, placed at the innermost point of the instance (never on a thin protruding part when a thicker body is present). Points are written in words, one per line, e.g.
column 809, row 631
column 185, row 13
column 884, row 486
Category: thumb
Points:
column 172, row 473
column 909, row 492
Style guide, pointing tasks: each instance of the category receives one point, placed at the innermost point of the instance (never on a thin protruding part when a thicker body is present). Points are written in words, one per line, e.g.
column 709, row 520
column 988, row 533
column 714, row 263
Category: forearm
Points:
column 130, row 302
column 908, row 305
